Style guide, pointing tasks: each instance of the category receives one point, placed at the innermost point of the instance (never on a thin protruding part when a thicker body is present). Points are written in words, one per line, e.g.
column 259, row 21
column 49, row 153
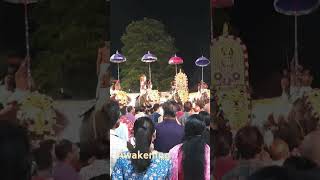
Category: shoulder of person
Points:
column 175, row 149
column 161, row 157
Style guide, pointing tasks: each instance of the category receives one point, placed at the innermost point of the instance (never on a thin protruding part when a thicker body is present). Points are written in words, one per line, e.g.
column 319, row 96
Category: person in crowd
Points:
column 279, row 151
column 207, row 108
column 198, row 106
column 98, row 168
column 285, row 84
column 130, row 113
column 169, row 132
column 310, row 147
column 44, row 162
column 205, row 117
column 156, row 114
column 151, row 165
column 249, row 144
column 15, row 152
column 191, row 158
column 102, row 68
column 222, row 144
column 272, row 173
column 140, row 112
column 49, row 145
column 66, row 153
column 125, row 125
column 148, row 111
column 299, row 163
column 123, row 111
column 180, row 111
column 187, row 107
column 284, row 173
column 122, row 131
column 118, row 145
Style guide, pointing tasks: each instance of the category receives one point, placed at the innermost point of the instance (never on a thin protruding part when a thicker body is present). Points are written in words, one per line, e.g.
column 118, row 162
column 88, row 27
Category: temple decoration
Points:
column 149, row 58
column 122, row 98
column 153, row 97
column 313, row 100
column 118, row 58
column 182, row 89
column 296, row 8
column 37, row 114
column 230, row 77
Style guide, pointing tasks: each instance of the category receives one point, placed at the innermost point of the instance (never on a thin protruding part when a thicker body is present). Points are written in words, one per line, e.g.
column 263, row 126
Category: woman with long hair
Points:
column 191, row 159
column 141, row 161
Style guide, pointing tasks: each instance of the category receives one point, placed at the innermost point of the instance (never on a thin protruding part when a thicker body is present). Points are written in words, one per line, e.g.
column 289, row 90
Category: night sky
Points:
column 12, row 38
column 187, row 21
column 269, row 37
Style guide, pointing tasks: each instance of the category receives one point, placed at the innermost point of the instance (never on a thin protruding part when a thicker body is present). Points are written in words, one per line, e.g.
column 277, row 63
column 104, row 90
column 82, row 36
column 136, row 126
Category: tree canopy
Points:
column 66, row 40
column 142, row 36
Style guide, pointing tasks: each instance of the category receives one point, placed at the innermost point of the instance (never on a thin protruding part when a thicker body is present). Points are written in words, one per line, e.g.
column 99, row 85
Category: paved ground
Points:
column 72, row 110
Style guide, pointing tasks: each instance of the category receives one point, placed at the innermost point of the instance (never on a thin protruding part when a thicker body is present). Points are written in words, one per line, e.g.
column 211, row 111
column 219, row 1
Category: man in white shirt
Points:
column 117, row 144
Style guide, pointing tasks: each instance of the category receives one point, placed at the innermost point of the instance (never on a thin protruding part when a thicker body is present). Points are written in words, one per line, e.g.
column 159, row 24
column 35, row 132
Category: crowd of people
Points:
column 171, row 140
column 285, row 152
column 166, row 141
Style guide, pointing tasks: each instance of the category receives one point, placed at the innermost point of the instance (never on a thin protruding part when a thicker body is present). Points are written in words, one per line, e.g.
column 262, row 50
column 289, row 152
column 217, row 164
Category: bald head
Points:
column 279, row 150
column 310, row 147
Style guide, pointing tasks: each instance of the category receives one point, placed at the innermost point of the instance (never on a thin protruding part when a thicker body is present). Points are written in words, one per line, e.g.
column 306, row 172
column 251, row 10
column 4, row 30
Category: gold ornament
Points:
column 36, row 112
column 122, row 98
column 181, row 80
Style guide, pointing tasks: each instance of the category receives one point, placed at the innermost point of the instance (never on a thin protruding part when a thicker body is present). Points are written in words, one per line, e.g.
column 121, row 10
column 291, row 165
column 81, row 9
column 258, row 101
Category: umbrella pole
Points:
column 296, row 40
column 27, row 42
column 149, row 72
column 202, row 74
column 118, row 72
column 176, row 69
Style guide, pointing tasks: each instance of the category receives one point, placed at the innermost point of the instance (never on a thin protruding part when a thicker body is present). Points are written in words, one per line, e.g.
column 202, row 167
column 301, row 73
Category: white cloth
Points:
column 122, row 131
column 97, row 168
column 102, row 91
column 140, row 114
column 117, row 147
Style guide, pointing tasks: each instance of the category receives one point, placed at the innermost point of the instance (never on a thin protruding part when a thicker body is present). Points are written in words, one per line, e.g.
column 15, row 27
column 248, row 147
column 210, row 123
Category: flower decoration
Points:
column 36, row 112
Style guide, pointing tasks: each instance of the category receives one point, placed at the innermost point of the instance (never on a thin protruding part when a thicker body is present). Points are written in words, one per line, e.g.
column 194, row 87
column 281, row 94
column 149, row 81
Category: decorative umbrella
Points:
column 149, row 58
column 118, row 58
column 175, row 60
column 296, row 8
column 202, row 62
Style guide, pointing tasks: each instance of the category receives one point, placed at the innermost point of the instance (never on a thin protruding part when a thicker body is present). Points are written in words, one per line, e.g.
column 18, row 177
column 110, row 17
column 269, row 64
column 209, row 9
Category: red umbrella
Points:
column 175, row 60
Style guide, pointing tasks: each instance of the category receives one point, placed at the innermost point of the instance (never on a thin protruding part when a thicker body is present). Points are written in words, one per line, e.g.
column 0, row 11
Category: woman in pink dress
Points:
column 191, row 159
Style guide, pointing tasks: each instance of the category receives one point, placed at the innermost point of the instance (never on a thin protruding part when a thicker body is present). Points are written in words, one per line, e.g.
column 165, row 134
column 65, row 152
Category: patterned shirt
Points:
column 125, row 120
column 159, row 168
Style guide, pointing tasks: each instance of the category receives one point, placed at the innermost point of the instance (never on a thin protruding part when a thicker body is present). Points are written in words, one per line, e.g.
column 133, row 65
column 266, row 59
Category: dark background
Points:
column 187, row 21
column 12, row 37
column 269, row 37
